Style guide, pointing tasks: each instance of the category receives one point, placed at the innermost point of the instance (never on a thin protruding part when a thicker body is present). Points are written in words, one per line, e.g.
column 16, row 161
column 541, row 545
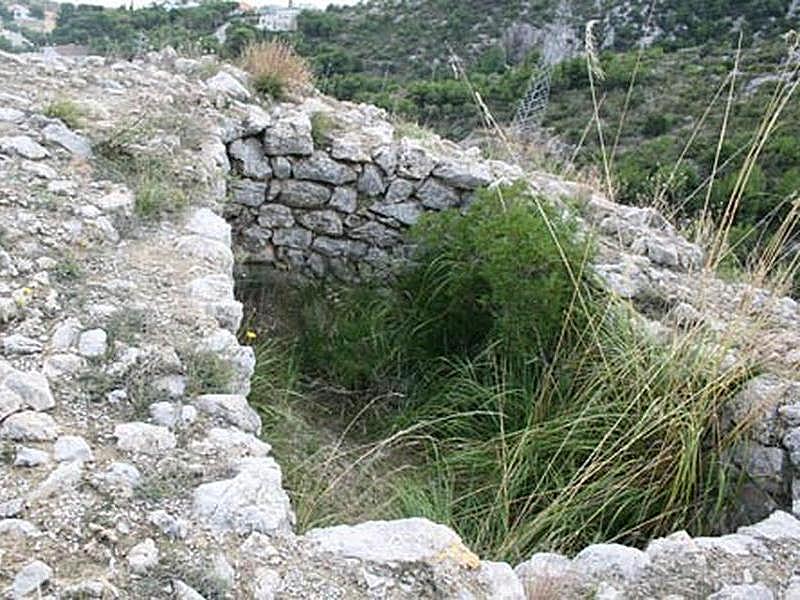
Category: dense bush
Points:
column 531, row 412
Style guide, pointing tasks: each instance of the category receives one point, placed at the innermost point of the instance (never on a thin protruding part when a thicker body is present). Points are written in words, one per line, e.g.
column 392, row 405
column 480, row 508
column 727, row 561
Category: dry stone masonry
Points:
column 121, row 476
column 327, row 191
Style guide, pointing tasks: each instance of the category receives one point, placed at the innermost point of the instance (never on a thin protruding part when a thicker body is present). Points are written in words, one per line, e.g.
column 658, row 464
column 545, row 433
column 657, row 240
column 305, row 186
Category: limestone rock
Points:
column 291, row 135
column 93, row 343
column 320, row 167
column 20, row 344
column 303, row 194
column 31, row 578
column 225, row 84
column 29, row 426
column 249, row 154
column 604, row 561
column 144, row 438
column 72, row 447
column 401, row 541
column 23, row 146
column 31, row 457
column 253, row 500
column 249, row 192
column 205, row 223
column 60, row 134
column 143, row 557
column 233, row 408
column 754, row 591
column 32, row 388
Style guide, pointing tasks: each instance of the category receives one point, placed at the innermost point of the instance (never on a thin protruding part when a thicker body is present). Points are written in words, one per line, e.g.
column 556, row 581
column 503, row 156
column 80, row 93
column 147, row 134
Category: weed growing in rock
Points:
column 155, row 178
column 68, row 269
column 322, row 126
column 206, row 373
column 276, row 69
column 68, row 111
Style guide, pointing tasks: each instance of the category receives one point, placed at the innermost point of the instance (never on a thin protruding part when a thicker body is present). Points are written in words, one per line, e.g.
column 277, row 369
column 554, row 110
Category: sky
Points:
column 139, row 3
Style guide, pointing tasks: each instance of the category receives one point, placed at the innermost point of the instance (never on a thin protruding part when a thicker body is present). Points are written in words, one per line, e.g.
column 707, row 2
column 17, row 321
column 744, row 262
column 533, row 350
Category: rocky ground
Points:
column 130, row 461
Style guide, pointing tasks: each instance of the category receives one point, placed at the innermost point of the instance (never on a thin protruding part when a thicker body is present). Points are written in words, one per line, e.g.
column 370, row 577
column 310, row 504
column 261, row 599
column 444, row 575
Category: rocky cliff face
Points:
column 127, row 470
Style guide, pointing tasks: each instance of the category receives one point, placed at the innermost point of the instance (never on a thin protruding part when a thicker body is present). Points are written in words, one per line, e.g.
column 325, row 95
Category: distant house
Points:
column 19, row 12
column 277, row 18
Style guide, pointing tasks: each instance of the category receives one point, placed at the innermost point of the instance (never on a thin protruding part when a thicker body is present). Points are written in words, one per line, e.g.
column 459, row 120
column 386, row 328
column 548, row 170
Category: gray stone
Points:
column 544, row 569
column 30, row 578
column 74, row 143
column 436, row 195
column 93, row 343
column 144, row 438
column 401, row 541
column 791, row 441
column 779, row 526
column 253, row 500
column 23, row 146
column 184, row 592
column 31, row 457
column 322, row 221
column 467, row 176
column 413, row 161
column 120, row 477
column 10, row 402
column 214, row 253
column 248, row 192
column 615, row 561
column 226, row 85
column 215, row 294
column 267, row 583
column 29, row 426
column 65, row 335
column 755, row 591
column 303, row 194
column 11, row 115
column 289, row 136
column 501, row 581
column 386, row 158
column 169, row 525
column 20, row 344
column 320, row 167
column 376, row 233
column 371, row 183
column 172, row 386
column 18, row 528
column 72, row 447
column 11, row 508
column 350, row 146
column 399, row 190
column 63, row 478
column 765, row 465
column 281, row 167
column 293, row 237
column 338, row 247
column 239, row 359
column 205, row 223
column 249, row 154
column 275, row 215
column 407, row 213
column 233, row 443
column 32, row 388
column 223, row 571
column 344, row 199
column 143, row 557
column 233, row 408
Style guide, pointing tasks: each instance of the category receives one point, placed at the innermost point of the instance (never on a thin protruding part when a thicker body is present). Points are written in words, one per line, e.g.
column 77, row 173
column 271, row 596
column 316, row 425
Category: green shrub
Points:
column 68, row 111
column 270, row 84
column 529, row 411
column 322, row 126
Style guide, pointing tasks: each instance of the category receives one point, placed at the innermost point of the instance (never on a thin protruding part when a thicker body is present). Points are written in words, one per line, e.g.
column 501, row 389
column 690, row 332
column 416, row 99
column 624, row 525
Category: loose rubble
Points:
column 120, row 476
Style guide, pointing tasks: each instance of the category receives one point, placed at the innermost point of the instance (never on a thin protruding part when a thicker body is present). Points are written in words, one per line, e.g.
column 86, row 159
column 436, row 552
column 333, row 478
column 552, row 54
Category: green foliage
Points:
column 68, row 111
column 530, row 411
column 206, row 373
column 322, row 126
column 270, row 85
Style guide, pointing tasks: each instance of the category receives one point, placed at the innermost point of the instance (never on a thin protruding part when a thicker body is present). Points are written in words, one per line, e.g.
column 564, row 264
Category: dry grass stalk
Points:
column 276, row 68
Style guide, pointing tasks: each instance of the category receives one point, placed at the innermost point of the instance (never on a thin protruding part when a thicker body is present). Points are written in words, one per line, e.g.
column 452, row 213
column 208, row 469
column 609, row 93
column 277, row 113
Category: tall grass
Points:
column 495, row 388
column 276, row 69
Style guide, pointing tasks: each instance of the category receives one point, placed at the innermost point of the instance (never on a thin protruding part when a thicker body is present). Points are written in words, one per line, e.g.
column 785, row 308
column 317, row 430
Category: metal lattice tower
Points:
column 558, row 45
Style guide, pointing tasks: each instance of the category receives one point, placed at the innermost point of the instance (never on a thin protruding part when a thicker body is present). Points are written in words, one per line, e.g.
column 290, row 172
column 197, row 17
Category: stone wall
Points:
column 315, row 194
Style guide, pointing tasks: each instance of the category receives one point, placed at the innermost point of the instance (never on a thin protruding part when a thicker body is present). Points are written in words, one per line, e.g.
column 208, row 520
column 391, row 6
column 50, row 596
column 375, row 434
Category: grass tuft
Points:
column 276, row 69
column 68, row 111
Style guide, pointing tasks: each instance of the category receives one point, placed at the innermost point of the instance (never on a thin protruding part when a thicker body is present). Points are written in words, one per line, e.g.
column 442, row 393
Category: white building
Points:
column 277, row 18
column 19, row 12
